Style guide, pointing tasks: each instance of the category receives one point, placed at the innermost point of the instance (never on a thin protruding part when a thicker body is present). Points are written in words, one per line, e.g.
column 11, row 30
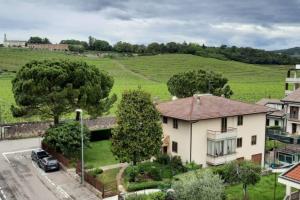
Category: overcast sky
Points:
column 268, row 24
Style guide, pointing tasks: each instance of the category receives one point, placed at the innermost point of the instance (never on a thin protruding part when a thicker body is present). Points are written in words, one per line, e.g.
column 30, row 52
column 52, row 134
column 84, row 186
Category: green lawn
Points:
column 261, row 191
column 100, row 154
column 249, row 82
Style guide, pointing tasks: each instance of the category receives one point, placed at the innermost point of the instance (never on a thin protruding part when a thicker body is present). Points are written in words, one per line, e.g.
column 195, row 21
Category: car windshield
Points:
column 42, row 154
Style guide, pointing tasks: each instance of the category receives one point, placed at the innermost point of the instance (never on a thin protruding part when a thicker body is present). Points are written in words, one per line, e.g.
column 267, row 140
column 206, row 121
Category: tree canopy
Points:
column 38, row 40
column 66, row 138
column 188, row 83
column 52, row 88
column 138, row 134
column 199, row 186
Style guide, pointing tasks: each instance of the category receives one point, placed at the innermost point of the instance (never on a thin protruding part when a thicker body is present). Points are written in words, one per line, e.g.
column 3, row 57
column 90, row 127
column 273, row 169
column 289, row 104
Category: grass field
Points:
column 249, row 82
column 99, row 154
column 264, row 190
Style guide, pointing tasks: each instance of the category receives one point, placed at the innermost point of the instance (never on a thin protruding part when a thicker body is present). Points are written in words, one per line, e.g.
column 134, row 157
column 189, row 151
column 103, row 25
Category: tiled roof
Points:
column 277, row 113
column 265, row 101
column 294, row 96
column 207, row 107
column 293, row 174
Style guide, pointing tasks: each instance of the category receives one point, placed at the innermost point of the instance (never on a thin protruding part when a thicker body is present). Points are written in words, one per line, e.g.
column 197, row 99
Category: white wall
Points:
column 272, row 121
column 290, row 122
column 252, row 125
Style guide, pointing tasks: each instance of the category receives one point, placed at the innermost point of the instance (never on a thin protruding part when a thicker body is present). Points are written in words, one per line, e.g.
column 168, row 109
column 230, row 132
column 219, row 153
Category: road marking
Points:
column 57, row 187
column 14, row 152
column 2, row 192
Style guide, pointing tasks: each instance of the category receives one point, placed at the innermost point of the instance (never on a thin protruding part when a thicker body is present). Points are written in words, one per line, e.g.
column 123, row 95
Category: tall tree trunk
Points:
column 56, row 119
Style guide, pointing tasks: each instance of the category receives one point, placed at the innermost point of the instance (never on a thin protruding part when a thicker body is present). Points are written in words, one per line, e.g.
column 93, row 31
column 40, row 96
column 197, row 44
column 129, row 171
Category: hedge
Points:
column 98, row 135
column 147, row 185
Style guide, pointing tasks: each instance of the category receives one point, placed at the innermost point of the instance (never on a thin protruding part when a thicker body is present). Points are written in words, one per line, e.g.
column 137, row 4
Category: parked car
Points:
column 38, row 154
column 48, row 164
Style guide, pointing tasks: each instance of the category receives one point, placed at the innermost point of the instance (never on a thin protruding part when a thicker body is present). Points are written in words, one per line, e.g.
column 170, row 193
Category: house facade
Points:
column 211, row 130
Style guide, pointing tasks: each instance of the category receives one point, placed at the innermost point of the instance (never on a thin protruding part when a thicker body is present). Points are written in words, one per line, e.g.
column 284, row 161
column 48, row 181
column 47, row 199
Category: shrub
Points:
column 89, row 166
column 157, row 196
column 155, row 174
column 192, row 166
column 163, row 159
column 132, row 172
column 95, row 172
column 176, row 164
column 143, row 185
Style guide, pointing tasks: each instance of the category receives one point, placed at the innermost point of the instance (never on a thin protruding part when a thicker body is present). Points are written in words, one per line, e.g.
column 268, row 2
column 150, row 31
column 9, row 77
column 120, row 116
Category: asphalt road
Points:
column 21, row 179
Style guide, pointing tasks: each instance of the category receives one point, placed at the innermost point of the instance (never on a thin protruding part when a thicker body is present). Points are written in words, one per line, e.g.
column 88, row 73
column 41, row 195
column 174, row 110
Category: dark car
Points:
column 38, row 154
column 48, row 164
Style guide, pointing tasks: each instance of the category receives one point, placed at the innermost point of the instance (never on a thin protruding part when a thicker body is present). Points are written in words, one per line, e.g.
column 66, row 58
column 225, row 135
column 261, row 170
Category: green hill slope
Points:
column 249, row 82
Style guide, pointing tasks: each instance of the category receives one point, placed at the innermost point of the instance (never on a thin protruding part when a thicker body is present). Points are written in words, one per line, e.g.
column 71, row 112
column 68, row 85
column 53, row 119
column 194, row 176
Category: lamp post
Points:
column 79, row 114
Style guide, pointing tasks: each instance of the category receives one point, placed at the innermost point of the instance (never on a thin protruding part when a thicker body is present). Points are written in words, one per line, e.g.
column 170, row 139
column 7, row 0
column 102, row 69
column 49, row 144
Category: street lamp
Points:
column 79, row 115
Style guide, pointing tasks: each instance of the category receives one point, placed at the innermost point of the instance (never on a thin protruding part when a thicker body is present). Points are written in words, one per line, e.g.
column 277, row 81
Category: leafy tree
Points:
column 244, row 172
column 123, row 47
column 76, row 48
column 101, row 45
column 66, row 138
column 52, row 88
column 186, row 84
column 199, row 186
column 138, row 134
column 38, row 40
column 154, row 48
column 75, row 42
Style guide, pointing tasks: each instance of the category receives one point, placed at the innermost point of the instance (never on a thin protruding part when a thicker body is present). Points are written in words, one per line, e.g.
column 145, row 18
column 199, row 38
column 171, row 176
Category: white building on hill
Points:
column 13, row 43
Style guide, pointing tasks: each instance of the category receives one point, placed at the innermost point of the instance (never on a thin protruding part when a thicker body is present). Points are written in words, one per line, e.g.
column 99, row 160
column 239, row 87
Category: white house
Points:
column 212, row 130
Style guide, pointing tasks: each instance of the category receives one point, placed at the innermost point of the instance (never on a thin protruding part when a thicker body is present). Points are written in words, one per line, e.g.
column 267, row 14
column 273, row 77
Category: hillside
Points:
column 294, row 52
column 249, row 82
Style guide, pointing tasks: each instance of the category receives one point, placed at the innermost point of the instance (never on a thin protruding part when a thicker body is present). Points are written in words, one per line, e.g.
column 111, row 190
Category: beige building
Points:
column 13, row 43
column 51, row 47
column 212, row 130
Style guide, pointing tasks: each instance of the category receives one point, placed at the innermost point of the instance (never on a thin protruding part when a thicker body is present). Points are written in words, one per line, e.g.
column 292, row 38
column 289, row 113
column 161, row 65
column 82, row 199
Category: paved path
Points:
column 20, row 178
column 108, row 167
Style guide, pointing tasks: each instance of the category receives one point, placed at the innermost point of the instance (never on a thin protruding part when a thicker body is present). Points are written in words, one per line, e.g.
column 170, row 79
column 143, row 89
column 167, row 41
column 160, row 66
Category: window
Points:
column 253, row 140
column 239, row 142
column 276, row 122
column 221, row 148
column 174, row 147
column 240, row 120
column 165, row 120
column 294, row 112
column 268, row 122
column 175, row 123
column 224, row 125
column 294, row 128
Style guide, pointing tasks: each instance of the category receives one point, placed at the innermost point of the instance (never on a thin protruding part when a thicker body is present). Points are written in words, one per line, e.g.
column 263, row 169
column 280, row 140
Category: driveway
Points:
column 20, row 178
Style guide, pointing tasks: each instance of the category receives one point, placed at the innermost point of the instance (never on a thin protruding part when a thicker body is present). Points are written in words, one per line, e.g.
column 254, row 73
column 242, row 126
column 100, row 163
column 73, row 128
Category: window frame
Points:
column 174, row 147
column 224, row 124
column 240, row 121
column 239, row 142
column 175, row 123
column 253, row 139
column 165, row 119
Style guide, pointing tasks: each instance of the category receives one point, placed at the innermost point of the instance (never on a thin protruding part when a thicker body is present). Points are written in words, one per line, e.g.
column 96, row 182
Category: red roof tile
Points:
column 293, row 173
column 207, row 107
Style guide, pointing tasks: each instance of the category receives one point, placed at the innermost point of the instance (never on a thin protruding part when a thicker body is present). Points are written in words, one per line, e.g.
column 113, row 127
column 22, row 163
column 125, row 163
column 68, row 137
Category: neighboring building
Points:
column 276, row 115
column 292, row 81
column 51, row 47
column 13, row 43
column 212, row 130
column 291, row 178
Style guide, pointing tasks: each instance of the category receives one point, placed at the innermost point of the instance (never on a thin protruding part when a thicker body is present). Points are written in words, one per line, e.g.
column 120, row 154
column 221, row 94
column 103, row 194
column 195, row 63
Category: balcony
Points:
column 218, row 160
column 219, row 135
column 292, row 80
column 293, row 117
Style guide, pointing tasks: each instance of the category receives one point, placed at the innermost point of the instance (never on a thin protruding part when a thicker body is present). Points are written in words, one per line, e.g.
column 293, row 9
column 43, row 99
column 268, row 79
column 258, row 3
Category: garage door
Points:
column 256, row 158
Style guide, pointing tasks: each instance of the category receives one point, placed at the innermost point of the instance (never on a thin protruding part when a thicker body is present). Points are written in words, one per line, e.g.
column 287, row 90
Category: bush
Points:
column 155, row 174
column 96, row 172
column 163, row 159
column 157, row 196
column 177, row 165
column 132, row 172
column 192, row 166
column 89, row 166
column 144, row 185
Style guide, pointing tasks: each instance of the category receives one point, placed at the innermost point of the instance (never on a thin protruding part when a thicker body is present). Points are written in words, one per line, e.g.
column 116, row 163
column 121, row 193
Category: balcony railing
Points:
column 282, row 136
column 220, row 159
column 292, row 80
column 219, row 135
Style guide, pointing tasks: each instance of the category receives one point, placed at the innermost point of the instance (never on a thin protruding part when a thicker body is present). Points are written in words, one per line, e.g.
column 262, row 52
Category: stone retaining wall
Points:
column 34, row 129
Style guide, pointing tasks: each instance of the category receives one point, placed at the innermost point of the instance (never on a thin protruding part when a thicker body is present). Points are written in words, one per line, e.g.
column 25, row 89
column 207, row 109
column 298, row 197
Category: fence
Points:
column 107, row 189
